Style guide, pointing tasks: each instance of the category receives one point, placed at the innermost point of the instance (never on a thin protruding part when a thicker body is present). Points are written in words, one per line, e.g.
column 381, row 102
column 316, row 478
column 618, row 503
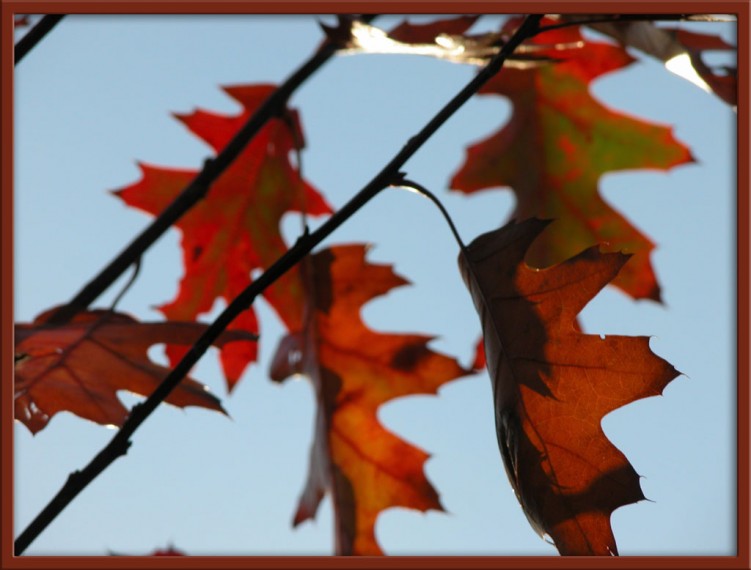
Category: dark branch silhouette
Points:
column 34, row 36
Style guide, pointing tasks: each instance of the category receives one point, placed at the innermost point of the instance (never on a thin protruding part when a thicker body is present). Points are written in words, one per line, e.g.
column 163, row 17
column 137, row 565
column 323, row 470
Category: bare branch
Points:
column 34, row 36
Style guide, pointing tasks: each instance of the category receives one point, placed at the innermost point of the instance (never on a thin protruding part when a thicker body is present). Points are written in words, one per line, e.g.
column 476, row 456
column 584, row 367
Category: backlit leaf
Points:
column 552, row 385
column 363, row 467
column 235, row 229
column 79, row 366
column 557, row 145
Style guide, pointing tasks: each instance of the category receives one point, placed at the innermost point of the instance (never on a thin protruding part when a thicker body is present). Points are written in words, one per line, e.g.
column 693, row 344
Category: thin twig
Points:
column 34, row 36
column 119, row 444
column 198, row 187
column 420, row 189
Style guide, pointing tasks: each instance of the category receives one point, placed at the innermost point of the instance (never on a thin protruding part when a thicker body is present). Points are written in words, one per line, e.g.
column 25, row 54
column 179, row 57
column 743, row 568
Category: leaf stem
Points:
column 120, row 442
column 420, row 189
column 199, row 186
column 34, row 36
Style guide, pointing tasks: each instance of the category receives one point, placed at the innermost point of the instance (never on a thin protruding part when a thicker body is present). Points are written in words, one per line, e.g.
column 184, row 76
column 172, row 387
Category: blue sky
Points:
column 96, row 96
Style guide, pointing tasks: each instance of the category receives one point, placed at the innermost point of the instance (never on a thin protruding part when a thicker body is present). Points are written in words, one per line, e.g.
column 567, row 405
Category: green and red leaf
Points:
column 557, row 145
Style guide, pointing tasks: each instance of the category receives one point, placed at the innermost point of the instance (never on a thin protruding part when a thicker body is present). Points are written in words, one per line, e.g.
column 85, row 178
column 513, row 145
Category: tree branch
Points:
column 119, row 444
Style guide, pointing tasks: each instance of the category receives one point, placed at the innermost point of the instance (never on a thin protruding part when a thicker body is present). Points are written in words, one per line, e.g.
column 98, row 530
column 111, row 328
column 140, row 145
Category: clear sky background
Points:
column 96, row 96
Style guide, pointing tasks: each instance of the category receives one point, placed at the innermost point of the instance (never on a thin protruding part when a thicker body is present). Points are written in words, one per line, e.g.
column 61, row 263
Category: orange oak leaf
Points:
column 552, row 385
column 235, row 228
column 79, row 366
column 364, row 467
column 555, row 147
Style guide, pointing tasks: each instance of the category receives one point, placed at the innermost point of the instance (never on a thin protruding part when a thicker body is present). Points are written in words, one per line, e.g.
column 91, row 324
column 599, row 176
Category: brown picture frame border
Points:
column 7, row 531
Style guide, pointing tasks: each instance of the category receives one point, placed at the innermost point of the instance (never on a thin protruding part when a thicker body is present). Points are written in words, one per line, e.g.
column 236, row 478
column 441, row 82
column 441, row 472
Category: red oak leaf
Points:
column 364, row 467
column 557, row 144
column 235, row 229
column 79, row 366
column 552, row 385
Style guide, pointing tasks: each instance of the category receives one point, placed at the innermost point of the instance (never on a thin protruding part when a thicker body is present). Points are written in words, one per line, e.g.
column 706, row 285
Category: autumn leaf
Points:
column 682, row 52
column 79, row 366
column 555, row 147
column 432, row 39
column 20, row 21
column 723, row 82
column 169, row 551
column 479, row 362
column 444, row 39
column 552, row 385
column 364, row 467
column 410, row 33
column 235, row 229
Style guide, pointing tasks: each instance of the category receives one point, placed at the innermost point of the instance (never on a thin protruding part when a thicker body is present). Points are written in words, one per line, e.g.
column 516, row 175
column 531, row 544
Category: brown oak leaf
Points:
column 79, row 366
column 552, row 385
